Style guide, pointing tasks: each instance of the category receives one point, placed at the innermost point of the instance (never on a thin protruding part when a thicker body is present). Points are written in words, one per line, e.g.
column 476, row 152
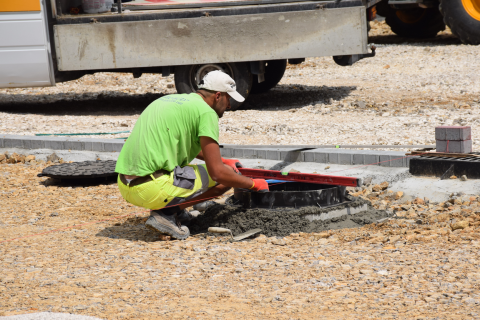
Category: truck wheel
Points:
column 274, row 71
column 188, row 77
column 463, row 17
column 414, row 22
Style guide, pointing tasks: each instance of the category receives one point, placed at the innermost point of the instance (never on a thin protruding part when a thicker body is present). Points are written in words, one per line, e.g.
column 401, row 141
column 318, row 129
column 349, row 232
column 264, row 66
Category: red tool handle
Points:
column 300, row 177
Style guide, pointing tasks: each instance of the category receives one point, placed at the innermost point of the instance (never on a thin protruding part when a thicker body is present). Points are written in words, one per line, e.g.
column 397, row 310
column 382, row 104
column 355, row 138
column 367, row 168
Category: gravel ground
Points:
column 422, row 264
column 48, row 316
column 397, row 97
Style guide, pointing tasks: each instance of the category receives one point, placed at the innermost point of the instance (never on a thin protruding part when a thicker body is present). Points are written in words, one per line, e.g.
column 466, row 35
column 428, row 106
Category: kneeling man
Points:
column 154, row 164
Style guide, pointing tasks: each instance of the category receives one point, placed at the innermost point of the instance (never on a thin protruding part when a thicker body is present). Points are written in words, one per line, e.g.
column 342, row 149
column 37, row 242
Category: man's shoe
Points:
column 169, row 225
column 203, row 206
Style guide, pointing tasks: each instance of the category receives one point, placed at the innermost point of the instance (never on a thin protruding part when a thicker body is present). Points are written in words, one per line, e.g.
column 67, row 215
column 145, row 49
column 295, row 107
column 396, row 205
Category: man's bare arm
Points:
column 217, row 170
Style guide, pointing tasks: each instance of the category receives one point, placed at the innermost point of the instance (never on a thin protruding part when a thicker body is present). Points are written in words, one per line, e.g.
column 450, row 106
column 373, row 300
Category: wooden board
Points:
column 442, row 154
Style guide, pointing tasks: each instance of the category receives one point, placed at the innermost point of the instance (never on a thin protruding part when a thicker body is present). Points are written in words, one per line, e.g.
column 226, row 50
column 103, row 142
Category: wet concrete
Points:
column 281, row 221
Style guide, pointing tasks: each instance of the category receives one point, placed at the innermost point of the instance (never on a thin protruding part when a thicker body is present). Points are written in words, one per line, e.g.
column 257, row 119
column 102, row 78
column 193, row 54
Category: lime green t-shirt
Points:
column 167, row 134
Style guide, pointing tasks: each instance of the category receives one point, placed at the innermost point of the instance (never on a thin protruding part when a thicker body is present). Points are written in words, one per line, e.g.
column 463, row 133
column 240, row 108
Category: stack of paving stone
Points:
column 453, row 139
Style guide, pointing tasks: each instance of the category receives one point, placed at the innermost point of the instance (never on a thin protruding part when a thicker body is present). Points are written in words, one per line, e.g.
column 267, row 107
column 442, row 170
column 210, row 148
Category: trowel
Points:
column 239, row 237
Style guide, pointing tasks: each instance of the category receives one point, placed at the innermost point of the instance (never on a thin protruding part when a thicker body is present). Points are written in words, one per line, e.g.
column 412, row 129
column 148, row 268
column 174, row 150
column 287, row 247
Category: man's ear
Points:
column 218, row 95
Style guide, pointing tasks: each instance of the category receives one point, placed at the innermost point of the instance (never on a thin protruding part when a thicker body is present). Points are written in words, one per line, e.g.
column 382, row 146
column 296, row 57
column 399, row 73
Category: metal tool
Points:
column 301, row 177
column 239, row 237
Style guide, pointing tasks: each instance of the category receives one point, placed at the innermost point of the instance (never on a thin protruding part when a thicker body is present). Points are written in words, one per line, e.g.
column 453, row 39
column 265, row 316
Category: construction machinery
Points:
column 425, row 18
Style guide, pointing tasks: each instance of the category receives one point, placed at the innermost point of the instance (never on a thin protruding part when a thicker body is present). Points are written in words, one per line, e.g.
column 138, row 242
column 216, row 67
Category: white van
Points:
column 47, row 41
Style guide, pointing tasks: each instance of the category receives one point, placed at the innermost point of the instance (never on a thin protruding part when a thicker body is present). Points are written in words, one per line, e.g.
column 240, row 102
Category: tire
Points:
column 274, row 71
column 414, row 22
column 383, row 8
column 463, row 17
column 188, row 77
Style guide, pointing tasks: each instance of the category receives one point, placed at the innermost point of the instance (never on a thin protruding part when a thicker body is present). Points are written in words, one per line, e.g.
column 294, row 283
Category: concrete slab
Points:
column 334, row 213
column 42, row 154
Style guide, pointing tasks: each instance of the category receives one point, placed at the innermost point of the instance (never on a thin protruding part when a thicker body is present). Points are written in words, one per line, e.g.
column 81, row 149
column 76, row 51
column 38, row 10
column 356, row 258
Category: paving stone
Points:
column 456, row 133
column 464, row 146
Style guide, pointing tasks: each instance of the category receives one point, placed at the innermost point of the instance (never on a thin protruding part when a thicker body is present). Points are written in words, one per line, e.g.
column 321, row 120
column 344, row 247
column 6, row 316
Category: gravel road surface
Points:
column 397, row 97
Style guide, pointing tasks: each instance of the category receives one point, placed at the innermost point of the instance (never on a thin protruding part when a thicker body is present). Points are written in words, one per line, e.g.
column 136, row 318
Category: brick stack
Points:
column 453, row 139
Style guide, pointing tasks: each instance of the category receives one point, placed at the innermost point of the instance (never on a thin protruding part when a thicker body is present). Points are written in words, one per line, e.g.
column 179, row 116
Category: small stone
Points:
column 170, row 85
column 53, row 157
column 366, row 271
column 360, row 104
column 394, row 239
column 322, row 235
column 279, row 242
column 327, row 167
column 2, row 157
column 460, row 225
column 380, row 187
column 164, row 237
column 294, row 170
column 29, row 158
column 463, row 178
column 398, row 195
column 453, row 177
column 419, row 201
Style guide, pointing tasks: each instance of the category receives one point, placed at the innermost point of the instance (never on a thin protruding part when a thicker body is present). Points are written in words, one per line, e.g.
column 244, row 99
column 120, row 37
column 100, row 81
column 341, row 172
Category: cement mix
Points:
column 282, row 221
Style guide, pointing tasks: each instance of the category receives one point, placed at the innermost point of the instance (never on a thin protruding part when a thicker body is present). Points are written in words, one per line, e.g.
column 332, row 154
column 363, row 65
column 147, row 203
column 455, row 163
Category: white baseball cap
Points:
column 219, row 81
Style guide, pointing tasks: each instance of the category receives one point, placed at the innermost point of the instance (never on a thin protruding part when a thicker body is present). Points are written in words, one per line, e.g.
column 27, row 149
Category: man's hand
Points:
column 260, row 185
column 233, row 163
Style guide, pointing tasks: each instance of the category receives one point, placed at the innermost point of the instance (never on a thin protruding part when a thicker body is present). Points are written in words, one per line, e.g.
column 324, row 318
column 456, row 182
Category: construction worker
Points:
column 154, row 164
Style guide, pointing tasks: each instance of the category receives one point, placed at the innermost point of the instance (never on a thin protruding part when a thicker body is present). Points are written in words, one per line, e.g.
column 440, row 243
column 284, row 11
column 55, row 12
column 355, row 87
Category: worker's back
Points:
column 167, row 134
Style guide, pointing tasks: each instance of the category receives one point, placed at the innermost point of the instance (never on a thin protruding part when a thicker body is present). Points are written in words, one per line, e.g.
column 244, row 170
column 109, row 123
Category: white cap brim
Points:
column 236, row 96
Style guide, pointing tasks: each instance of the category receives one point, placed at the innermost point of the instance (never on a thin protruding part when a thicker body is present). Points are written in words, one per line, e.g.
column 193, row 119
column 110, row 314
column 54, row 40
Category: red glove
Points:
column 260, row 185
column 234, row 163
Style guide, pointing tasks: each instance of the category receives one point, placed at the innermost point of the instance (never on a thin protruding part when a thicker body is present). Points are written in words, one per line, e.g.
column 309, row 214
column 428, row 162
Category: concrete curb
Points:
column 327, row 155
column 61, row 143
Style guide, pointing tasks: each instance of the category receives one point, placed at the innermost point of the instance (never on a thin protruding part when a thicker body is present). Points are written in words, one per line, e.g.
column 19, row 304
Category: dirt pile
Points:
column 280, row 222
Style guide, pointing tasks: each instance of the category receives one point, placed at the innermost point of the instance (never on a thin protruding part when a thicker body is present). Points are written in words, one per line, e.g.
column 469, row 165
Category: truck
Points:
column 425, row 18
column 43, row 42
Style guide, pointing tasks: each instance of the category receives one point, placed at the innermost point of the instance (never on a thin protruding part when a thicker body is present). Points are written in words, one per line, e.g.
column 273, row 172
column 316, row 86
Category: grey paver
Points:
column 291, row 155
column 272, row 154
column 451, row 146
column 13, row 141
column 73, row 144
column 113, row 146
column 250, row 153
column 456, row 133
